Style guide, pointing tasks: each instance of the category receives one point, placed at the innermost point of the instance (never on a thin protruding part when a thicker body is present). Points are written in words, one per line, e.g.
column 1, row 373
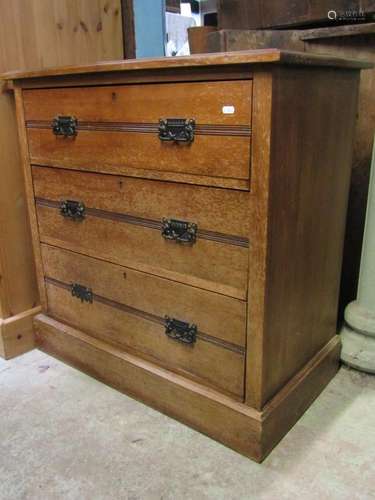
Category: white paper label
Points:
column 228, row 110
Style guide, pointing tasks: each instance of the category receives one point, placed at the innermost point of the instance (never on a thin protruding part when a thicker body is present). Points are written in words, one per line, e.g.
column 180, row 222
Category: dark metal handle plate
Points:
column 81, row 292
column 180, row 331
column 179, row 230
column 65, row 126
column 73, row 209
column 176, row 129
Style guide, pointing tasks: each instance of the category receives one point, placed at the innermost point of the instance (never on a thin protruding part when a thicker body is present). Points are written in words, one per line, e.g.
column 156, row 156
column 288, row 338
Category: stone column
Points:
column 358, row 332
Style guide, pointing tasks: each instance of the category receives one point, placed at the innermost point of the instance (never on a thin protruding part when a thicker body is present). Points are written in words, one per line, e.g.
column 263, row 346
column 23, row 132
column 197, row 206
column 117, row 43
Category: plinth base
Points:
column 249, row 431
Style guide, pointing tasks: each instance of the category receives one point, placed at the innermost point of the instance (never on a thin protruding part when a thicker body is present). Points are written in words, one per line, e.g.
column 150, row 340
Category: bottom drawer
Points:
column 151, row 316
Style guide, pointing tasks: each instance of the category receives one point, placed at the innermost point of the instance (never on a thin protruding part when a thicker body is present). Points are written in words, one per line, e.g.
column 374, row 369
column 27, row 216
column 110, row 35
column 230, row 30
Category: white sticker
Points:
column 228, row 110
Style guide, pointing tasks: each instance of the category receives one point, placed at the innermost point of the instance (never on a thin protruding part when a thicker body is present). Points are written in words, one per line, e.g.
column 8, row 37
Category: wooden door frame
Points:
column 128, row 29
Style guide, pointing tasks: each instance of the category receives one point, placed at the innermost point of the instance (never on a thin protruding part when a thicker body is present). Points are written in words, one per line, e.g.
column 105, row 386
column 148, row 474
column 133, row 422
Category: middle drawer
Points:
column 192, row 234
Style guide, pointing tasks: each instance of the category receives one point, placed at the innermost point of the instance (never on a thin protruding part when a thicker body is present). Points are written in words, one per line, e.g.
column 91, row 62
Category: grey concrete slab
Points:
column 64, row 435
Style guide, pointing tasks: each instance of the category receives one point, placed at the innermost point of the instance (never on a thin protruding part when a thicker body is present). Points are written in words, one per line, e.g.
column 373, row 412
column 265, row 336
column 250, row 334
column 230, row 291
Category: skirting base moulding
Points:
column 16, row 334
column 251, row 432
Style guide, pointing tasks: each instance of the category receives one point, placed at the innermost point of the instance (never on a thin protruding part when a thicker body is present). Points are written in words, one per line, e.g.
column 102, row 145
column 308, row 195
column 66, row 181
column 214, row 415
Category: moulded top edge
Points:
column 242, row 57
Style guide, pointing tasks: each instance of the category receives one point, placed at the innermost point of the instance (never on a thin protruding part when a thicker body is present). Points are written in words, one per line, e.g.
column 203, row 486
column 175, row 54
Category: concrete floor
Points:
column 64, row 435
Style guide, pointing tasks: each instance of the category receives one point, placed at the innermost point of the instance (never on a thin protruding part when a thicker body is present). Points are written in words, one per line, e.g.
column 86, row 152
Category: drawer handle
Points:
column 176, row 129
column 81, row 292
column 180, row 331
column 73, row 209
column 65, row 126
column 179, row 230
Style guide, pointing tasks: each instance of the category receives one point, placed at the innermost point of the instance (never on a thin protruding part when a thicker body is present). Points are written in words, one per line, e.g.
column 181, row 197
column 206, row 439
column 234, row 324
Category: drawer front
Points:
column 128, row 308
column 123, row 224
column 218, row 316
column 118, row 128
column 144, row 103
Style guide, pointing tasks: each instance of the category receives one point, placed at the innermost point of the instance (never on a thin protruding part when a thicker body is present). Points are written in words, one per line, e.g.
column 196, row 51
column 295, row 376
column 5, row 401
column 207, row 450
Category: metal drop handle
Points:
column 177, row 129
column 179, row 230
column 65, row 126
column 180, row 330
column 72, row 209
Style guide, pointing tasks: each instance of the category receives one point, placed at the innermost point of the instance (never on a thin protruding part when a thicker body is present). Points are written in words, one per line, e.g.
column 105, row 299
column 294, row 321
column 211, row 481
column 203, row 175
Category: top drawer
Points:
column 118, row 130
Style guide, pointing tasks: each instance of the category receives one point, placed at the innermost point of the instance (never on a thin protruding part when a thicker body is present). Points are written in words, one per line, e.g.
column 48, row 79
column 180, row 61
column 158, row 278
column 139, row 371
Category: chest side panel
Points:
column 313, row 122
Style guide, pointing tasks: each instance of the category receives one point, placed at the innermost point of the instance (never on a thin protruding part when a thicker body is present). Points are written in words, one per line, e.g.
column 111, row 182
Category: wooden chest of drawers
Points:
column 188, row 219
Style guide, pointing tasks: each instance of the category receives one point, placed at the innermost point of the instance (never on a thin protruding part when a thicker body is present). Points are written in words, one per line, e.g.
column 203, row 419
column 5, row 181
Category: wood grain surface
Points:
column 211, row 363
column 17, row 333
column 18, row 290
column 124, row 151
column 207, row 264
column 308, row 195
column 236, row 425
column 258, row 235
column 29, row 189
column 216, row 315
column 131, row 106
column 233, row 59
column 242, row 14
column 202, row 101
column 45, row 33
column 278, row 268
column 148, row 199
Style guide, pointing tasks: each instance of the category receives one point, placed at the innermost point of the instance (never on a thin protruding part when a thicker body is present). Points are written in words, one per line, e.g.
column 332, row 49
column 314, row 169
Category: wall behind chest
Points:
column 45, row 33
column 38, row 34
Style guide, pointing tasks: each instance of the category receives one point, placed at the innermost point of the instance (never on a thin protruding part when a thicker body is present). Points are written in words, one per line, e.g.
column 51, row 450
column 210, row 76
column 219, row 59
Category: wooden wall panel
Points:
column 46, row 33
column 38, row 34
column 259, row 14
column 18, row 290
column 128, row 28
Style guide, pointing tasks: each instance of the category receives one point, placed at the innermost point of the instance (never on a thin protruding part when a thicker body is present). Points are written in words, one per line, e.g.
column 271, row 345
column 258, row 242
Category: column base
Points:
column 358, row 338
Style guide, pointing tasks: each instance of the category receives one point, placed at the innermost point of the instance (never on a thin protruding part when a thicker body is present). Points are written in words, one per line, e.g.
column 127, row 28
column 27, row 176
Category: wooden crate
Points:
column 356, row 41
column 257, row 14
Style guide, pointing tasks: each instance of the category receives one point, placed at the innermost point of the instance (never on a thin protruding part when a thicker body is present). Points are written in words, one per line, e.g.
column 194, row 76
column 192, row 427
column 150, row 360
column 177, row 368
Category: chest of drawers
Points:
column 188, row 219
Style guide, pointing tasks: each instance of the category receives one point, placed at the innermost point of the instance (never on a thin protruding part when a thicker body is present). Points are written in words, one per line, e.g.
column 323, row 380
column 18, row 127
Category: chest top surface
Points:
column 238, row 58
